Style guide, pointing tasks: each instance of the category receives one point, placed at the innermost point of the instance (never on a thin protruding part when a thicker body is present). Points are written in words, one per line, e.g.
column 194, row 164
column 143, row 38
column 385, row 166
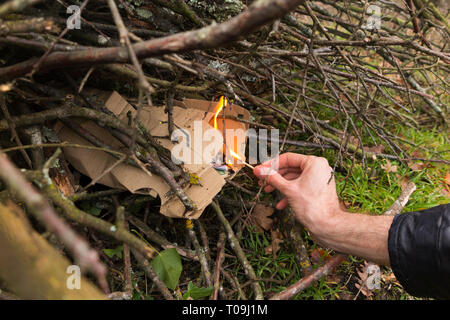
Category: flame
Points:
column 222, row 102
column 234, row 154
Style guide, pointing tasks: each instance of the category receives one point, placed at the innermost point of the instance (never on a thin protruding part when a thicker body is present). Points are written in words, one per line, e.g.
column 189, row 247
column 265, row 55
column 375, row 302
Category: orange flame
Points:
column 222, row 102
column 234, row 154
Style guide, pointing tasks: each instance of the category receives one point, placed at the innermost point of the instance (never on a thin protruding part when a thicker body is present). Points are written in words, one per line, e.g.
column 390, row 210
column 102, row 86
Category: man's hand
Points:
column 308, row 186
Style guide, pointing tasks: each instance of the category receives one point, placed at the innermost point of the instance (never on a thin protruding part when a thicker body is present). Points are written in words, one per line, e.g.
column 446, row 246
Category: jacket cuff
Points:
column 419, row 251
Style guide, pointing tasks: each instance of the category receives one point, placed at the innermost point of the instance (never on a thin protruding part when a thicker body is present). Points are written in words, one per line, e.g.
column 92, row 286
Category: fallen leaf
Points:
column 389, row 278
column 275, row 245
column 446, row 189
column 318, row 255
column 345, row 296
column 403, row 182
column 417, row 166
column 334, row 278
column 375, row 149
column 368, row 278
column 388, row 167
column 417, row 154
column 447, row 178
column 261, row 218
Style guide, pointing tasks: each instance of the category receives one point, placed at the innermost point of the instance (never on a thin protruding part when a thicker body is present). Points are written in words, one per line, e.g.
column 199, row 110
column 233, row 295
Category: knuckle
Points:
column 322, row 161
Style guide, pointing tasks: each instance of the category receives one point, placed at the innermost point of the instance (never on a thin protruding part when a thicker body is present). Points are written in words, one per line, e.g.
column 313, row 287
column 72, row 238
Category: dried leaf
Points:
column 318, row 255
column 403, row 182
column 366, row 277
column 446, row 189
column 417, row 166
column 388, row 167
column 261, row 218
column 375, row 149
column 275, row 245
column 389, row 278
column 447, row 178
column 417, row 154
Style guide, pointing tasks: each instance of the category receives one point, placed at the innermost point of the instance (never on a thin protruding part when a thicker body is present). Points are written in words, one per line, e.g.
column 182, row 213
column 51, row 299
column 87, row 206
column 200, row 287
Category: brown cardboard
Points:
column 93, row 162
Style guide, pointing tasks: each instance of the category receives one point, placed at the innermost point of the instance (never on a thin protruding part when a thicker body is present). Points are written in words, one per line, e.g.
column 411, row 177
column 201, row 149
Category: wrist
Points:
column 357, row 234
column 331, row 229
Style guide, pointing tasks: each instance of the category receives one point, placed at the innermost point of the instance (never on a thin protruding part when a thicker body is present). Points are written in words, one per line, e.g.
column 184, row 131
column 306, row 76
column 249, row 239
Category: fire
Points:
column 234, row 154
column 222, row 102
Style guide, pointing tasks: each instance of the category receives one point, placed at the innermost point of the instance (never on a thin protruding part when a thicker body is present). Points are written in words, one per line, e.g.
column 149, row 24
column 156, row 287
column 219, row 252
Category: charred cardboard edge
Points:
column 93, row 162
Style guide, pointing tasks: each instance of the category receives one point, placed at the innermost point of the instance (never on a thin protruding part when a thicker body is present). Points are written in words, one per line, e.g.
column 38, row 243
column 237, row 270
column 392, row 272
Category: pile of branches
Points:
column 330, row 74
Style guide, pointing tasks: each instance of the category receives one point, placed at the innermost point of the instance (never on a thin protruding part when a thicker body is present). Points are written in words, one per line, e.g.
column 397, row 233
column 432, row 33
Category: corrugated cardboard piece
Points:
column 93, row 162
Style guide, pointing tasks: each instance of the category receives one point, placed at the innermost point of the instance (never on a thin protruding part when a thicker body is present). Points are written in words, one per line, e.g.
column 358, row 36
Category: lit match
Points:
column 234, row 154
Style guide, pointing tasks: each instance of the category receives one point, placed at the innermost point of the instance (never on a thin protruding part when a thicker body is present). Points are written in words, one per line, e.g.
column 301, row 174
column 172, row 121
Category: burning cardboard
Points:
column 191, row 119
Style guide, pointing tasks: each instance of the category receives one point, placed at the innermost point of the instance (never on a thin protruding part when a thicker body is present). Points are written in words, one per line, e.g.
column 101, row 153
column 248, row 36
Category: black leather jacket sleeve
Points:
column 419, row 251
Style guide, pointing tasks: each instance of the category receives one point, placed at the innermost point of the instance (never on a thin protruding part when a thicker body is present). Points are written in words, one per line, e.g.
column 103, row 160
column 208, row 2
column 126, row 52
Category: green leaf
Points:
column 167, row 265
column 197, row 293
column 114, row 252
column 94, row 209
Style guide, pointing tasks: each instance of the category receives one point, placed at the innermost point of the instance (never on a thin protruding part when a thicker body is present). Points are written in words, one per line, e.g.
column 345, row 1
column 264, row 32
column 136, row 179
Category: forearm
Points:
column 360, row 235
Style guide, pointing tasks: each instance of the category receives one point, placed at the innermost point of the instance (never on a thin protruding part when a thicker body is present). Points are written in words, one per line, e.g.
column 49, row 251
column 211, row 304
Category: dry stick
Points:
column 294, row 231
column 144, row 86
column 27, row 26
column 35, row 138
column 310, row 279
column 41, row 209
column 418, row 90
column 219, row 260
column 122, row 224
column 62, row 145
column 125, row 41
column 180, row 7
column 152, row 275
column 200, row 253
column 205, row 240
column 80, row 196
column 41, row 60
column 16, row 5
column 105, row 172
column 14, row 135
column 81, row 217
column 128, row 72
column 234, row 282
column 258, row 14
column 32, row 267
column 401, row 201
column 234, row 243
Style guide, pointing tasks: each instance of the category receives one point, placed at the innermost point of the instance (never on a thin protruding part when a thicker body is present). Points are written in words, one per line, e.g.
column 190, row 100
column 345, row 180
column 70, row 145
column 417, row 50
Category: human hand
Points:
column 308, row 187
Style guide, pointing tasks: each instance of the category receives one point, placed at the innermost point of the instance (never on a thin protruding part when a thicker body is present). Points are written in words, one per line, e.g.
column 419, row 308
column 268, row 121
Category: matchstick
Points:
column 248, row 165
